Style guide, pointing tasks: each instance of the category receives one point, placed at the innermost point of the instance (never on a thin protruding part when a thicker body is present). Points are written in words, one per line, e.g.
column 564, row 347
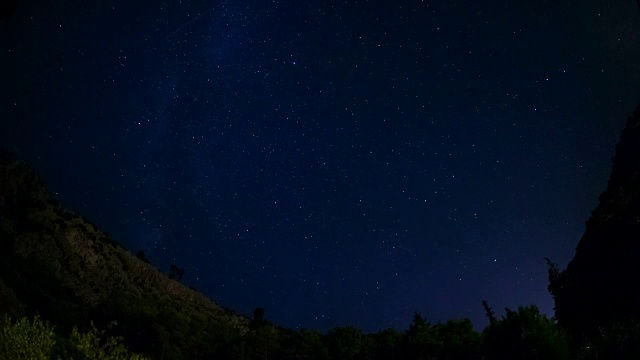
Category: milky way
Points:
column 334, row 164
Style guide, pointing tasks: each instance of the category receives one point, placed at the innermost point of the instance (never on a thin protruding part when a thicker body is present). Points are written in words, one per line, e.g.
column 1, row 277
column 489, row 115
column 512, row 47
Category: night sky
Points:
column 333, row 162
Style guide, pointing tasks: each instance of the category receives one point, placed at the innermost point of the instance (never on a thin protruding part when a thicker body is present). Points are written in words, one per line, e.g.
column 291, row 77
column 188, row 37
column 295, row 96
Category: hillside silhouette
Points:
column 599, row 292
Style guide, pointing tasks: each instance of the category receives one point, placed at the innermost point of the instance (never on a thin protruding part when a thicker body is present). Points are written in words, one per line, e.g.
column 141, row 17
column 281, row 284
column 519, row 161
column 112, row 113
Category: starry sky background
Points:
column 333, row 162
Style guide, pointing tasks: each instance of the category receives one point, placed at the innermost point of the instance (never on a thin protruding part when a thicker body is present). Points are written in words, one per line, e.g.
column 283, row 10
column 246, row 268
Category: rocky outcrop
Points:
column 601, row 284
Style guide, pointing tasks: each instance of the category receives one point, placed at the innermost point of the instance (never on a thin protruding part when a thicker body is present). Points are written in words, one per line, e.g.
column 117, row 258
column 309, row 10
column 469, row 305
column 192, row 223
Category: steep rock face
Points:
column 601, row 284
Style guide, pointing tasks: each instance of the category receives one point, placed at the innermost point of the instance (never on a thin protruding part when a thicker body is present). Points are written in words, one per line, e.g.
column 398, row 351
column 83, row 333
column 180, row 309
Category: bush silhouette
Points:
column 525, row 334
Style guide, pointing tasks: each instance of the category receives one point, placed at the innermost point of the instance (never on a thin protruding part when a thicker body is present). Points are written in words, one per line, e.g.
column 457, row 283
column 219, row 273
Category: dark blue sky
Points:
column 337, row 164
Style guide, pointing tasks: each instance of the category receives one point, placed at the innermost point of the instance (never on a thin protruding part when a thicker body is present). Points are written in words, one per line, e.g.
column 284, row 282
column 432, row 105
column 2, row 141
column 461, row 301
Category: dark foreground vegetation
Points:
column 69, row 291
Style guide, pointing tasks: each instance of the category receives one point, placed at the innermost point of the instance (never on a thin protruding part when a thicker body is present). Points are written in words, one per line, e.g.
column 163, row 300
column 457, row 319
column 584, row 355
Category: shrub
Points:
column 92, row 345
column 28, row 340
column 525, row 334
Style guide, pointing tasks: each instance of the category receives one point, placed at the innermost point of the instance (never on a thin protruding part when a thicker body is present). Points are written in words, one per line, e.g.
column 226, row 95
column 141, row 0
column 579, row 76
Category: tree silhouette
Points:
column 527, row 335
column 258, row 317
column 459, row 341
column 140, row 255
column 423, row 341
column 488, row 311
column 344, row 343
column 306, row 344
column 175, row 272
